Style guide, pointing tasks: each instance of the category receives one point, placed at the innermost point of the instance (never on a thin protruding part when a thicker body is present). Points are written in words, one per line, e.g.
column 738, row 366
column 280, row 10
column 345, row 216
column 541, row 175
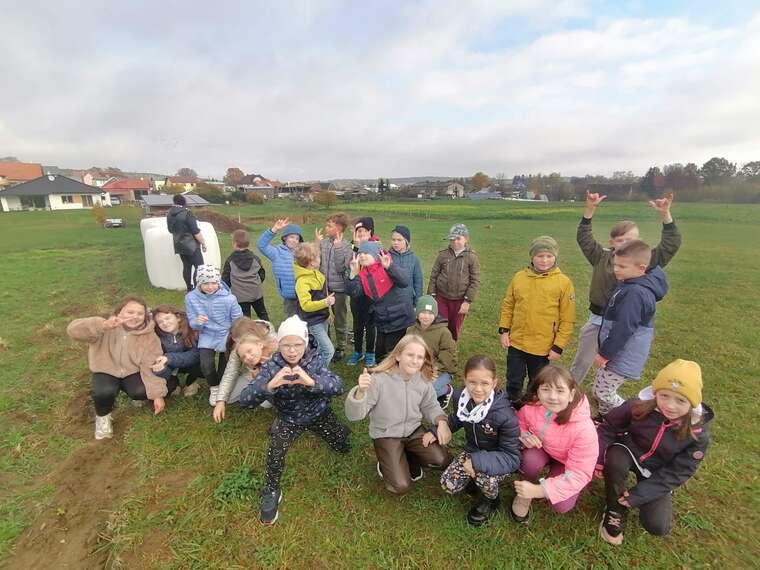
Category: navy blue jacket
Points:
column 409, row 262
column 394, row 310
column 627, row 330
column 295, row 404
column 177, row 354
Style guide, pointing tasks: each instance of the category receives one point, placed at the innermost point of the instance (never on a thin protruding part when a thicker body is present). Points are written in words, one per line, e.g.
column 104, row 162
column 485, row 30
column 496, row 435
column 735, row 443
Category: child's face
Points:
column 480, row 383
column 672, row 404
column 314, row 263
column 211, row 287
column 167, row 322
column 426, row 318
column 132, row 315
column 555, row 397
column 621, row 240
column 398, row 242
column 458, row 243
column 362, row 234
column 365, row 259
column 627, row 268
column 332, row 229
column 292, row 240
column 411, row 359
column 544, row 261
column 250, row 353
column 292, row 348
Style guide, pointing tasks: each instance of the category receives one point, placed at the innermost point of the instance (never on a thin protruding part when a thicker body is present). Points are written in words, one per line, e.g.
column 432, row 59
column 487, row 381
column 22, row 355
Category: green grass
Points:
column 196, row 483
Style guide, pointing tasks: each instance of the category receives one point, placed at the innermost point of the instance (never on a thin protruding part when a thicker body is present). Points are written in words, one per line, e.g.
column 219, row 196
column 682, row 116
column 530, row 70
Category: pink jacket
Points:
column 574, row 444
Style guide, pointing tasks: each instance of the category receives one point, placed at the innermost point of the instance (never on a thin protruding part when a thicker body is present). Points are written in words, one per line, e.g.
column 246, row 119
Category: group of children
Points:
column 661, row 435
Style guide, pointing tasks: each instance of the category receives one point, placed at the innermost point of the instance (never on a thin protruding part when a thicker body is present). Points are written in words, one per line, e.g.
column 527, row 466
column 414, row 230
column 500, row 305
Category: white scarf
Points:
column 476, row 414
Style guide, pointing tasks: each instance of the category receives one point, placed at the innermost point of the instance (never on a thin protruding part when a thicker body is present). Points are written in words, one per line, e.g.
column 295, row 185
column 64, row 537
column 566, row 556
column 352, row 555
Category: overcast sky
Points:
column 332, row 89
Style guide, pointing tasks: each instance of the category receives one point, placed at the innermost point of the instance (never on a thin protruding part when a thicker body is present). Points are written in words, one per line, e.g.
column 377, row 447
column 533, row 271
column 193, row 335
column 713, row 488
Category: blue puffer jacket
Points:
column 220, row 307
column 627, row 330
column 493, row 442
column 282, row 263
column 409, row 262
column 177, row 354
column 295, row 404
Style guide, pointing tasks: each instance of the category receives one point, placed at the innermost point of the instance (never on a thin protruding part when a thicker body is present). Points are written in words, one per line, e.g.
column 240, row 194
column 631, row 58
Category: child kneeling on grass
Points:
column 297, row 382
column 180, row 345
column 557, row 431
column 662, row 437
column 397, row 396
column 123, row 348
column 492, row 448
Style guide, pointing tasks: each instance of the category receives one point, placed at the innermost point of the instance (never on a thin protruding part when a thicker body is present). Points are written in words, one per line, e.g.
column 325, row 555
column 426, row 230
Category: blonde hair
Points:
column 428, row 370
column 305, row 253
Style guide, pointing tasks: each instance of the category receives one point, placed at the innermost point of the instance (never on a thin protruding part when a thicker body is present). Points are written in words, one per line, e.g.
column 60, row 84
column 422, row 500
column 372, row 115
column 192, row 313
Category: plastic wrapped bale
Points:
column 163, row 265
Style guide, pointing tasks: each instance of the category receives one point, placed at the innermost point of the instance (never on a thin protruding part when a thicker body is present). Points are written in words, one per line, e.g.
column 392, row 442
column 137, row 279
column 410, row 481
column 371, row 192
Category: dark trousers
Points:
column 396, row 454
column 105, row 388
column 363, row 321
column 189, row 264
column 518, row 362
column 656, row 516
column 211, row 371
column 283, row 433
column 258, row 306
column 385, row 342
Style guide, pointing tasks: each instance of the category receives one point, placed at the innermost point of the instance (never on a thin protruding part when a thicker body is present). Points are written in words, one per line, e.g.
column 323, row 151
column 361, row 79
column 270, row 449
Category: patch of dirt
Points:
column 220, row 222
column 77, row 419
column 73, row 310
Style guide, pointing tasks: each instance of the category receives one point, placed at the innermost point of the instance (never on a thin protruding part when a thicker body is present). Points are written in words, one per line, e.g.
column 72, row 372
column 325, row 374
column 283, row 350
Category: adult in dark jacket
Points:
column 188, row 240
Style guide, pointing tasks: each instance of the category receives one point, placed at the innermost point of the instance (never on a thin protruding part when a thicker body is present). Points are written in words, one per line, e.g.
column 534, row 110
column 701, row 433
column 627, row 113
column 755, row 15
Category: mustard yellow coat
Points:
column 539, row 311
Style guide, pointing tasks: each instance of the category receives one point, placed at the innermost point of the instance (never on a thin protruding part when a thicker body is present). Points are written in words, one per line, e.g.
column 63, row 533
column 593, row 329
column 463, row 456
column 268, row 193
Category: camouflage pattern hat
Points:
column 458, row 230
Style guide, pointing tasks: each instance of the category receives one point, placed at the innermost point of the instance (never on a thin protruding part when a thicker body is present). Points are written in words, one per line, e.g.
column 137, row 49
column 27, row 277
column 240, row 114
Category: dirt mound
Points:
column 220, row 222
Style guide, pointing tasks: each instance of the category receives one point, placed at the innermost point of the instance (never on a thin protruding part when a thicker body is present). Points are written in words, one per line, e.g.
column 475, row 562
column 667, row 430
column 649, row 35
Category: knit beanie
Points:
column 292, row 229
column 293, row 326
column 371, row 247
column 457, row 230
column 682, row 376
column 544, row 243
column 426, row 303
column 207, row 274
column 404, row 232
column 366, row 223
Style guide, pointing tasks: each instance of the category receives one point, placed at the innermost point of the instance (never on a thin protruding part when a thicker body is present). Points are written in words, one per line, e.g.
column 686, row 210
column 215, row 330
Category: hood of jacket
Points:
column 243, row 258
column 314, row 274
column 654, row 280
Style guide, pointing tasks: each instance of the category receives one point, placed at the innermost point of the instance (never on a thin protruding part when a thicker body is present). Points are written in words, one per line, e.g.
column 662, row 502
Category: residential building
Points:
column 12, row 173
column 127, row 189
column 51, row 192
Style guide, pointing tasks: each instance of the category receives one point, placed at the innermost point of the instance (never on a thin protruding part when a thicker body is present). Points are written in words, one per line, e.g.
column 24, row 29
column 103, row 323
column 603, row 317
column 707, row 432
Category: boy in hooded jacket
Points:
column 281, row 257
column 244, row 275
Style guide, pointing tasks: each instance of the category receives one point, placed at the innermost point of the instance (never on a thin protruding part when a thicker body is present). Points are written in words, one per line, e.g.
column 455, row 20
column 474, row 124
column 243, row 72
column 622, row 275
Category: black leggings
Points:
column 386, row 342
column 105, row 388
column 258, row 306
column 188, row 263
column 211, row 372
column 656, row 516
column 363, row 320
column 518, row 362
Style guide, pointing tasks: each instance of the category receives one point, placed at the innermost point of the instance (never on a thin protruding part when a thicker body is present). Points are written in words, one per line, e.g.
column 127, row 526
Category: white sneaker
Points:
column 213, row 393
column 103, row 427
column 265, row 404
column 191, row 390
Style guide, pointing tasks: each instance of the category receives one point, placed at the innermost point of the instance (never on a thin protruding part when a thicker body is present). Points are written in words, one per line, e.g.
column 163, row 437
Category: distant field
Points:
column 177, row 491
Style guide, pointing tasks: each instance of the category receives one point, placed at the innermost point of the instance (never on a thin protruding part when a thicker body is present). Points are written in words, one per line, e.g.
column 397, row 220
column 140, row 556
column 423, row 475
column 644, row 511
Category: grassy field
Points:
column 178, row 491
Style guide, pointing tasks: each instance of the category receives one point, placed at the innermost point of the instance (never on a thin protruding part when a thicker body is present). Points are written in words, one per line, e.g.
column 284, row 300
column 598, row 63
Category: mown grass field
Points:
column 178, row 491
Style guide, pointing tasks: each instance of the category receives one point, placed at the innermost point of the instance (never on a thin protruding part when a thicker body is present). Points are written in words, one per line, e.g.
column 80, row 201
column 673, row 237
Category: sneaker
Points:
column 338, row 356
column 138, row 403
column 416, row 472
column 270, row 506
column 522, row 519
column 355, row 358
column 369, row 359
column 190, row 390
column 103, row 427
column 446, row 398
column 265, row 404
column 611, row 527
column 482, row 510
column 213, row 393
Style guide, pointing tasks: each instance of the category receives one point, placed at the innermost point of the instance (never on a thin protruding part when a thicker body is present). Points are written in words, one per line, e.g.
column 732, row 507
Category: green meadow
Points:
column 177, row 491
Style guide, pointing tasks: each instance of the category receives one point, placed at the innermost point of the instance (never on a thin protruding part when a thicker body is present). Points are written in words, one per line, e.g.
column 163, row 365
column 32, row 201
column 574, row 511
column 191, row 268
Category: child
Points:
column 662, row 437
column 244, row 275
column 628, row 325
column 406, row 259
column 455, row 278
column 603, row 280
column 437, row 337
column 335, row 255
column 297, row 382
column 364, row 230
column 122, row 350
column 556, row 430
column 180, row 345
column 397, row 396
column 492, row 449
column 314, row 300
column 281, row 257
column 374, row 277
column 537, row 315
column 211, row 308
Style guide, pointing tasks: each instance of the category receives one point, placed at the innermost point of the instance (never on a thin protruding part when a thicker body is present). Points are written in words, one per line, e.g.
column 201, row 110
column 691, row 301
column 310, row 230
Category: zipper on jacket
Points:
column 656, row 442
column 475, row 435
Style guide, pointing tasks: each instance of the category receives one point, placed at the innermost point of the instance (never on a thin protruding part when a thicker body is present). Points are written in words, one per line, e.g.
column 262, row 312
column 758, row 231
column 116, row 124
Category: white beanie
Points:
column 207, row 274
column 293, row 326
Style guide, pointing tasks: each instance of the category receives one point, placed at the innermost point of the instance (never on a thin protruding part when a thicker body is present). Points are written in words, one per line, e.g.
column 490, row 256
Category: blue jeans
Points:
column 440, row 384
column 322, row 336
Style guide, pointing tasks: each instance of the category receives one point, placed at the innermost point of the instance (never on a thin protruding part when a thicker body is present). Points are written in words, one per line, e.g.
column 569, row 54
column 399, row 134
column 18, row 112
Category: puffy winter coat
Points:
column 311, row 291
column 177, row 354
column 333, row 263
column 221, row 308
column 244, row 275
column 182, row 224
column 409, row 262
column 455, row 276
column 574, row 444
column 282, row 264
column 394, row 310
column 538, row 309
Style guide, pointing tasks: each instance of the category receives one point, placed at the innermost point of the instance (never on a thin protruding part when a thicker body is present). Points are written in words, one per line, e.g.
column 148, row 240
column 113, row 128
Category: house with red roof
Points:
column 12, row 173
column 127, row 189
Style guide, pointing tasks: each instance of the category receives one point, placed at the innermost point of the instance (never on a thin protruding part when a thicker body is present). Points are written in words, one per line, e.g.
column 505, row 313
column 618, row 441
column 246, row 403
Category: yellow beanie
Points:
column 682, row 376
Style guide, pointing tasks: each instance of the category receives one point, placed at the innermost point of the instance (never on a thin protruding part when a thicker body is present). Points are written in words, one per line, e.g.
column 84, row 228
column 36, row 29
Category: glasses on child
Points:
column 292, row 347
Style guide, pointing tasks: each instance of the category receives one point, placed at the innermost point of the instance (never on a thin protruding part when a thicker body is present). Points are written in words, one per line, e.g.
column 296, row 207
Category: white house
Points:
column 51, row 192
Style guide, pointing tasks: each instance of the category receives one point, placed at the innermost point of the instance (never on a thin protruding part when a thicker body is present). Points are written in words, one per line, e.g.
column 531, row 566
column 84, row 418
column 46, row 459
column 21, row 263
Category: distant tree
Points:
column 174, row 188
column 326, row 198
column 751, row 169
column 480, row 180
column 233, row 176
column 9, row 159
column 187, row 172
column 647, row 184
column 678, row 177
column 209, row 192
column 717, row 170
column 623, row 175
column 254, row 198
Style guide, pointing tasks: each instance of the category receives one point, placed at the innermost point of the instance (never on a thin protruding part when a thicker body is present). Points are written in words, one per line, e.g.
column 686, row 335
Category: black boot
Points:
column 482, row 510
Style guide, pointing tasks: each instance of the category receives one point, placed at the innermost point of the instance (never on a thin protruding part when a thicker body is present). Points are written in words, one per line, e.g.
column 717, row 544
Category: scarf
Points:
column 476, row 414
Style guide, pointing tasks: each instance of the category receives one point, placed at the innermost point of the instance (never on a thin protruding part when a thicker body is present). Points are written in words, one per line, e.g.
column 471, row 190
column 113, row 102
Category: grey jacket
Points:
column 334, row 264
column 395, row 406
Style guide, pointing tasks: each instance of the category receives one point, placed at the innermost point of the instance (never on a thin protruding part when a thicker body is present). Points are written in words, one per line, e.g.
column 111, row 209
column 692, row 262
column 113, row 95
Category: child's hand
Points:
column 318, row 235
column 662, row 205
column 112, row 322
column 304, row 379
column 330, row 300
column 427, row 438
column 464, row 308
column 593, row 199
column 363, row 383
column 623, row 501
column 279, row 224
column 338, row 240
column 444, row 433
column 504, row 339
column 280, row 378
column 528, row 490
column 159, row 364
column 219, row 410
column 554, row 355
column 158, row 406
column 468, row 468
column 600, row 361
column 201, row 320
column 385, row 260
column 353, row 265
column 599, row 472
column 530, row 440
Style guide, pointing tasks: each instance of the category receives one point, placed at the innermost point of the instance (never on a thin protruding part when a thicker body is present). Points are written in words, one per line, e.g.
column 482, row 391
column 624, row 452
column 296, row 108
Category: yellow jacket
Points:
column 307, row 281
column 539, row 311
